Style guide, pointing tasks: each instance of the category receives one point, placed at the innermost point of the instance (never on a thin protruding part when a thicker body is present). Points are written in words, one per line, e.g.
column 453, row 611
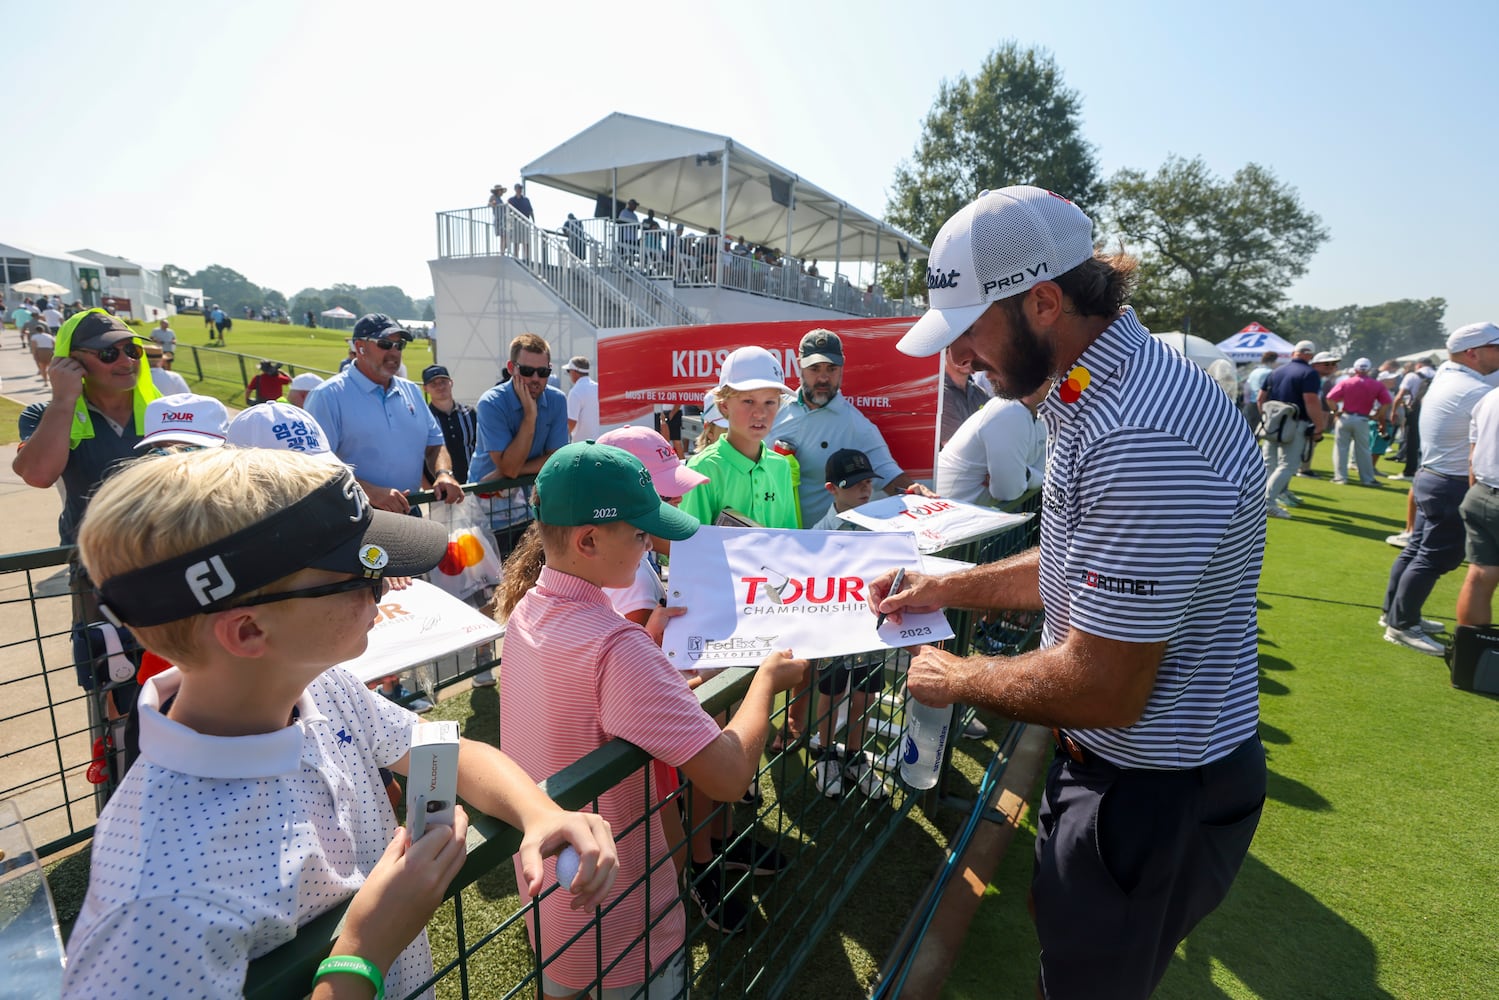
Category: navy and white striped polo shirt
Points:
column 1153, row 529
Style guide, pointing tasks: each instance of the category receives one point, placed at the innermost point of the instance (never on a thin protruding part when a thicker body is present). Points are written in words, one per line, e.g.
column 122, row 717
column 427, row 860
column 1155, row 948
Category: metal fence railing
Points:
column 831, row 843
column 631, row 257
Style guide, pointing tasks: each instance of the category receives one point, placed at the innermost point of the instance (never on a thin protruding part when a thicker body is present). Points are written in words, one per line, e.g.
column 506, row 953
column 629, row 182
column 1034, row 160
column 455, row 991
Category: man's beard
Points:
column 1029, row 360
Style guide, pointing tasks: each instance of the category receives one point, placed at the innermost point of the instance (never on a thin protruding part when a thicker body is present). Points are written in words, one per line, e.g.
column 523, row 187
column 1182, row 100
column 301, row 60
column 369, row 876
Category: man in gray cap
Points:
column 821, row 421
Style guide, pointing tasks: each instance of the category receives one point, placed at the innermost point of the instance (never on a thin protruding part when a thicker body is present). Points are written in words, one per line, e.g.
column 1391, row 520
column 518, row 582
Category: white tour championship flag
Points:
column 751, row 591
column 937, row 523
column 418, row 624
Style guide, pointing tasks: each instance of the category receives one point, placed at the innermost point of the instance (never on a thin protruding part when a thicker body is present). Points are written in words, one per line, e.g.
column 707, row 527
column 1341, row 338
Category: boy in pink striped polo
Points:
column 576, row 675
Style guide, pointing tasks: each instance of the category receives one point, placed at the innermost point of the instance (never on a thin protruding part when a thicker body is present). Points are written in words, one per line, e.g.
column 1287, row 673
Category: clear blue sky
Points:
column 304, row 143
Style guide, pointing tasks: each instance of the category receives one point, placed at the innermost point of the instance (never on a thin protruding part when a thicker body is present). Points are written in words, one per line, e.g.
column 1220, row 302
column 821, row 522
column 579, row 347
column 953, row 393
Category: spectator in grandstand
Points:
column 582, row 401
column 998, row 454
column 1147, row 570
column 497, row 207
column 248, row 765
column 521, row 203
column 577, row 674
column 1436, row 545
column 378, row 423
column 296, row 393
column 961, row 395
column 167, row 382
column 521, row 422
column 457, row 420
column 820, row 421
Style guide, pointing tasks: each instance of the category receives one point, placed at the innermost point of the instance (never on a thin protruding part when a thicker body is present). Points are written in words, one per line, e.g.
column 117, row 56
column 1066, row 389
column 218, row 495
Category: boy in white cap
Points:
column 743, row 473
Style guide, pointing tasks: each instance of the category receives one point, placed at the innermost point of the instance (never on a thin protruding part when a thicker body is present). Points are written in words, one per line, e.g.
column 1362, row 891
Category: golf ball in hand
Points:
column 567, row 867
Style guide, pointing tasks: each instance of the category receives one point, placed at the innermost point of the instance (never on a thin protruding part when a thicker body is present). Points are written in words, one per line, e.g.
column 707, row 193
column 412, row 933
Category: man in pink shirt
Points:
column 1356, row 399
column 577, row 675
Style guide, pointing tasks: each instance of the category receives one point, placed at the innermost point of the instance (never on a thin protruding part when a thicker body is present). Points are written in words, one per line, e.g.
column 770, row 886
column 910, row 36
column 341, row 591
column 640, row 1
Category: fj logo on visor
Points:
column 209, row 580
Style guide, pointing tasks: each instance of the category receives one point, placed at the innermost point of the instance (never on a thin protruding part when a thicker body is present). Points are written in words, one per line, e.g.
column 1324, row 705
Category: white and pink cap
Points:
column 672, row 478
column 184, row 418
column 1000, row 244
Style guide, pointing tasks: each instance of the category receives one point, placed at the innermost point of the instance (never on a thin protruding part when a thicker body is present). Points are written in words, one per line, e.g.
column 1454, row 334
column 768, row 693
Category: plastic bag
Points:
column 471, row 562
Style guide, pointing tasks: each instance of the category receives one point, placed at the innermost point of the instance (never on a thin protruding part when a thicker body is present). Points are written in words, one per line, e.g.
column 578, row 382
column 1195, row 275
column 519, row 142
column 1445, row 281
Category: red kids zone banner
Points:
column 676, row 365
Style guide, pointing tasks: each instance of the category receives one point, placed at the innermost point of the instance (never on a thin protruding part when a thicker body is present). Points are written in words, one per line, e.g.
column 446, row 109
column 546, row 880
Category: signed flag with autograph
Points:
column 750, row 591
column 937, row 522
column 419, row 624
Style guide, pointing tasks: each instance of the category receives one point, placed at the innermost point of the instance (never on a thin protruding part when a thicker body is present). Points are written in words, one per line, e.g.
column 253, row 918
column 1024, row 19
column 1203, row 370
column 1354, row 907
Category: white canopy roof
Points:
column 338, row 312
column 678, row 172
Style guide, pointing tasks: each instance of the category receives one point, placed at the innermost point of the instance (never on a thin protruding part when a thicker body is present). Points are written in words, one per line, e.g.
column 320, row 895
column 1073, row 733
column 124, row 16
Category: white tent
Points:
column 1440, row 353
column 1253, row 341
column 341, row 318
column 710, row 181
column 1206, row 355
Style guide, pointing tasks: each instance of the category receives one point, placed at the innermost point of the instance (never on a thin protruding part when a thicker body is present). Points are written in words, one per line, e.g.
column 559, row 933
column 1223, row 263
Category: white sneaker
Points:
column 1400, row 541
column 1428, row 625
column 421, row 706
column 1414, row 638
column 828, row 774
column 1277, row 511
column 869, row 781
column 483, row 679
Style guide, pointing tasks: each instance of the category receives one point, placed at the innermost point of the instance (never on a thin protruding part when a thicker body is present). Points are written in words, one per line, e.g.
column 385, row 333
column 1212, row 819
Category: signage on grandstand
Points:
column 676, row 365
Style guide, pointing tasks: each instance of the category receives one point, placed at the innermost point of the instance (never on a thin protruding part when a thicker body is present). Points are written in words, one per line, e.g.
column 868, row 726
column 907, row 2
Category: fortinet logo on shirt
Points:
column 1120, row 584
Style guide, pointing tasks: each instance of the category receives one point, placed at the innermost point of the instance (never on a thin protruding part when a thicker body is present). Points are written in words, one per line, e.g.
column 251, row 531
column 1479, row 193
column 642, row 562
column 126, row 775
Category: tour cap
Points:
column 668, row 472
column 184, row 418
column 1001, row 244
column 590, row 483
column 752, row 368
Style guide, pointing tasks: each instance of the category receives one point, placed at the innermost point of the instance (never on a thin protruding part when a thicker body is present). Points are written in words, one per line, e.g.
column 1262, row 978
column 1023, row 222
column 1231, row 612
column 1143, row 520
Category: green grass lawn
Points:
column 1372, row 873
column 10, row 413
column 303, row 347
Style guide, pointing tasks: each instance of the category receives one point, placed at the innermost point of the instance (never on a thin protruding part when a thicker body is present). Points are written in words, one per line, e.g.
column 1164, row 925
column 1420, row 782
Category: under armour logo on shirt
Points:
column 344, row 736
column 770, row 498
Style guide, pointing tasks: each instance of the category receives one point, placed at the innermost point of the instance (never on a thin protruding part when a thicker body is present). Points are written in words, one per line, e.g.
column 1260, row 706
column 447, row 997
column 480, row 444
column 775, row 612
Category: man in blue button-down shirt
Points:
column 521, row 422
column 378, row 423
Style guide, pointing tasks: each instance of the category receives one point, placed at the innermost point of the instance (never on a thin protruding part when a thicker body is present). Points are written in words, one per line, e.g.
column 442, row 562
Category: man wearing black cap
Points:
column 821, row 421
column 456, row 420
column 379, row 424
column 100, row 387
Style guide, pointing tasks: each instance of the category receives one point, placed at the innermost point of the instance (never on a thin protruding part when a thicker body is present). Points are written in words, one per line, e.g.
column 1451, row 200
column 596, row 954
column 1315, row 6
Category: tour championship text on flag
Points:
column 751, row 591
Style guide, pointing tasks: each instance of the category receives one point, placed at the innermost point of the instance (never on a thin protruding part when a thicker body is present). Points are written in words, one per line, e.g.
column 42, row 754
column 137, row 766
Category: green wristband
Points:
column 354, row 966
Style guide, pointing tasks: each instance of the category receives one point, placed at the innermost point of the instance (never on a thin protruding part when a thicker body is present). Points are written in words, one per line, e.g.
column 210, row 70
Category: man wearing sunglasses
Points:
column 378, row 423
column 521, row 422
column 100, row 387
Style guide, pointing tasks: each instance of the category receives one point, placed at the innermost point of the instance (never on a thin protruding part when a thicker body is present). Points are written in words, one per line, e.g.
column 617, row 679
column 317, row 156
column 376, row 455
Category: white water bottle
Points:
column 924, row 743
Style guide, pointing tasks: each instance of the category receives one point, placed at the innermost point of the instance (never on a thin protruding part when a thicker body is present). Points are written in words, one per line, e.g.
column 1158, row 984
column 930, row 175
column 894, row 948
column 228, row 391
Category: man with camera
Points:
column 268, row 385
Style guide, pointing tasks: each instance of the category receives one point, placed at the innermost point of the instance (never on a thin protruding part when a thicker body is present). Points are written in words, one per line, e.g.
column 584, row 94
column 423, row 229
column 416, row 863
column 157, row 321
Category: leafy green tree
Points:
column 1380, row 332
column 428, row 313
column 1214, row 254
column 227, row 288
column 173, row 276
column 273, row 298
column 389, row 300
column 1013, row 123
column 309, row 299
column 347, row 300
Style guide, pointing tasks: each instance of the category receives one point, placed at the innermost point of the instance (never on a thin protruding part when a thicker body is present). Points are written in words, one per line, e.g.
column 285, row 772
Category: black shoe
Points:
column 725, row 914
column 745, row 855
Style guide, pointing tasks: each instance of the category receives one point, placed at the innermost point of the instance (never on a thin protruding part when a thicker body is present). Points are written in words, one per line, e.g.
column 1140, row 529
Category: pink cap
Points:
column 672, row 478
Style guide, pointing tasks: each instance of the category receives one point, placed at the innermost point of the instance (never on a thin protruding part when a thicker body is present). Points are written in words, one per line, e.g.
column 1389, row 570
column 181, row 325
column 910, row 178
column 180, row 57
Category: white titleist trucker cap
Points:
column 998, row 245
